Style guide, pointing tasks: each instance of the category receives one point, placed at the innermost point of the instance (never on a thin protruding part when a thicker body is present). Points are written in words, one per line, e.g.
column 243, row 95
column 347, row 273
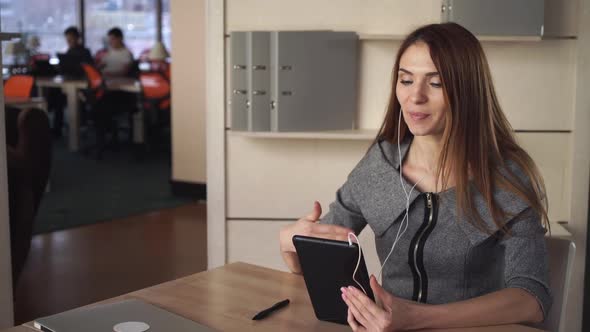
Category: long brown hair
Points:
column 477, row 138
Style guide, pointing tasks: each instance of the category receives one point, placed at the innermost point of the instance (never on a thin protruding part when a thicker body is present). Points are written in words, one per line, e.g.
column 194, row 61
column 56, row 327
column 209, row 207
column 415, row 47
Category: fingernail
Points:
column 343, row 289
column 343, row 297
column 350, row 288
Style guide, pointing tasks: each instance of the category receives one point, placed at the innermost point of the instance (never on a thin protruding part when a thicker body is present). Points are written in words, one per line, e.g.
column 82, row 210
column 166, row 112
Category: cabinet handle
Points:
column 240, row 92
column 239, row 67
column 287, row 93
column 259, row 67
column 259, row 92
column 287, row 67
column 443, row 8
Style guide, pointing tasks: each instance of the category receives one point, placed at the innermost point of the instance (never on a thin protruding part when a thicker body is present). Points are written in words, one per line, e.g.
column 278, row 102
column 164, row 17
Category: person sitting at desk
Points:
column 56, row 100
column 118, row 59
column 458, row 208
column 75, row 47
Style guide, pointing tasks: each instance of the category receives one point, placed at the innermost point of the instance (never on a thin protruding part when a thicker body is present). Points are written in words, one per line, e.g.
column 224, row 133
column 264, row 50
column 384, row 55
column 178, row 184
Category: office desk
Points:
column 21, row 329
column 125, row 84
column 70, row 88
column 226, row 298
column 26, row 102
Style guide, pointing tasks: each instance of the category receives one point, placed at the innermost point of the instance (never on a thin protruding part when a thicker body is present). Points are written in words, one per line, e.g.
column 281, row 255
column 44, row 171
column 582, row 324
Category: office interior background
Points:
column 254, row 187
column 154, row 196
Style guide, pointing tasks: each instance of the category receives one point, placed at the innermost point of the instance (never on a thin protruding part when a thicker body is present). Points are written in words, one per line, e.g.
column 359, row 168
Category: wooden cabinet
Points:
column 281, row 178
column 543, row 18
column 285, row 81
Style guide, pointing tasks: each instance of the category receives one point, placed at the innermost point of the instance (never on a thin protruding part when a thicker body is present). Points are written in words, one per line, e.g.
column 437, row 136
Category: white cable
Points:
column 408, row 195
column 358, row 263
column 405, row 220
column 399, row 155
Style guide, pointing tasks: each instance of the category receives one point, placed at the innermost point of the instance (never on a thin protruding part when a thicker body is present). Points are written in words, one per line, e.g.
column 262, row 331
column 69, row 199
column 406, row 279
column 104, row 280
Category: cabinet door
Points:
column 314, row 80
column 239, row 81
column 259, row 80
column 497, row 17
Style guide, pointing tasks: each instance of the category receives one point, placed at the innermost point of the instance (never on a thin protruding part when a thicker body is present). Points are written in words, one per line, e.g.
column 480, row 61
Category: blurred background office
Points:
column 88, row 94
column 48, row 20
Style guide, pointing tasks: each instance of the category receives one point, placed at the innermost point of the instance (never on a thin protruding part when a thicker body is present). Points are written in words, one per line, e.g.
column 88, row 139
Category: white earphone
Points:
column 358, row 261
column 405, row 219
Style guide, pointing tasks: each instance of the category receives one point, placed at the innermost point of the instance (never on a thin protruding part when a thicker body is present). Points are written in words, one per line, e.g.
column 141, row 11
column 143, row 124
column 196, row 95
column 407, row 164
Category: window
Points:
column 48, row 20
column 45, row 19
column 166, row 39
column 137, row 19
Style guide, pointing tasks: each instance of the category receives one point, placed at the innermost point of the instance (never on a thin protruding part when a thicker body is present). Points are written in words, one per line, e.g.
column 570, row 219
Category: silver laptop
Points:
column 128, row 315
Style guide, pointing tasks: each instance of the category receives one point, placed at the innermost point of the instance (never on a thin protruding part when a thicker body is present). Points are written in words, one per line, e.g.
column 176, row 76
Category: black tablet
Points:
column 327, row 266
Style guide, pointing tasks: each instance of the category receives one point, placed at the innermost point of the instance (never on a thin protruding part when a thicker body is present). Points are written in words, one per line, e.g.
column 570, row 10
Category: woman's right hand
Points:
column 308, row 226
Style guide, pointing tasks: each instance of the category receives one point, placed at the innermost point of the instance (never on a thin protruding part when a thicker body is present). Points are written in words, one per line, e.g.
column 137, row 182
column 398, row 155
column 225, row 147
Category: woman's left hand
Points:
column 391, row 314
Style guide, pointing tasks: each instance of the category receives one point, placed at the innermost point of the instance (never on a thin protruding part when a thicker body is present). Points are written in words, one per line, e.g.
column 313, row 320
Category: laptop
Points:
column 69, row 65
column 129, row 315
column 42, row 68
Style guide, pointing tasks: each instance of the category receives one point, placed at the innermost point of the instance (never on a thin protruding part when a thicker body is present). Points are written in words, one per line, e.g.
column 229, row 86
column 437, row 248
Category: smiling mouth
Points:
column 419, row 116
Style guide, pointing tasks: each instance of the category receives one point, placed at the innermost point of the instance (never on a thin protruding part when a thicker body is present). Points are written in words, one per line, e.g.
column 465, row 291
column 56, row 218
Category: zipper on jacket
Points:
column 416, row 258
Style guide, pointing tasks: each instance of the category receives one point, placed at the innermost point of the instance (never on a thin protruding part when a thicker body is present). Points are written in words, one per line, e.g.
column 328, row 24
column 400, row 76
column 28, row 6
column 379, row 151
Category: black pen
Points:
column 270, row 310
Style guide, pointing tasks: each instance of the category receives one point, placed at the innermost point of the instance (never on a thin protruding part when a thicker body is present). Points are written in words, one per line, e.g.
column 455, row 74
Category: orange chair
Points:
column 155, row 90
column 96, row 84
column 156, row 102
column 99, row 108
column 19, row 86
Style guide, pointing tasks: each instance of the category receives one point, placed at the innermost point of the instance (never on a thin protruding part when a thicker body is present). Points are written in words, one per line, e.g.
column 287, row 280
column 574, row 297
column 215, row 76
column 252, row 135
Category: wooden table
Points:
column 70, row 88
column 226, row 298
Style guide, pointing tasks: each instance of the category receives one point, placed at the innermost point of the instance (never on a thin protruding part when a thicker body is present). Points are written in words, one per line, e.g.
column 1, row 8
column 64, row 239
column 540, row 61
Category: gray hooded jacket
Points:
column 441, row 258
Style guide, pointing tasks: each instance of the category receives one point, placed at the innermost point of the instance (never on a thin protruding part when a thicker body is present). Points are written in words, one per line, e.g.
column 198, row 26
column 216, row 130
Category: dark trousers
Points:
column 56, row 102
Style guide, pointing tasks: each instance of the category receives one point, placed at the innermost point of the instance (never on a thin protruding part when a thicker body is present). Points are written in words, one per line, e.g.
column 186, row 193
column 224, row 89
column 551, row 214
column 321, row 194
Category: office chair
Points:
column 99, row 109
column 167, row 72
column 19, row 86
column 561, row 260
column 156, row 102
column 29, row 150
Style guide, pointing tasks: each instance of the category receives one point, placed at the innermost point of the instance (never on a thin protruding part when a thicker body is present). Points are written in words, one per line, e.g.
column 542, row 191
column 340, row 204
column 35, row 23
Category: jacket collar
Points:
column 390, row 152
column 395, row 198
column 511, row 203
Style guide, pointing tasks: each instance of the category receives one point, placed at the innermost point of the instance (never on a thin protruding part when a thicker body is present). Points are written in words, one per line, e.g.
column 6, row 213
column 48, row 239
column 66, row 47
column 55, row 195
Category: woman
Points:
column 463, row 203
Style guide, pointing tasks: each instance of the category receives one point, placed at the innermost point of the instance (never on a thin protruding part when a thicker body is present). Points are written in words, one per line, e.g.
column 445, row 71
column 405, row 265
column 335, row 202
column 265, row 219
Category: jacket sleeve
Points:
column 344, row 211
column 526, row 260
